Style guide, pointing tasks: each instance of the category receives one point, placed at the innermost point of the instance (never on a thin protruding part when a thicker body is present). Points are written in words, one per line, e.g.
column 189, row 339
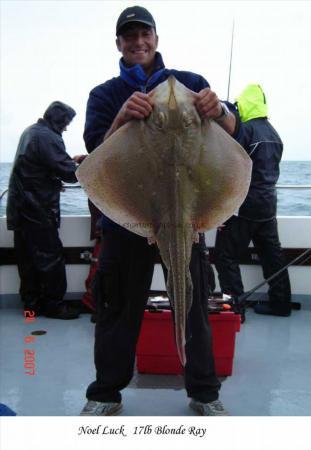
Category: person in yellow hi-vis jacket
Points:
column 256, row 218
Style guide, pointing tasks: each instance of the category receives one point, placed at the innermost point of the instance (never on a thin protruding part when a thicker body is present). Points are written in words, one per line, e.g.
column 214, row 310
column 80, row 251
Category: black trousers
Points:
column 122, row 286
column 41, row 267
column 234, row 239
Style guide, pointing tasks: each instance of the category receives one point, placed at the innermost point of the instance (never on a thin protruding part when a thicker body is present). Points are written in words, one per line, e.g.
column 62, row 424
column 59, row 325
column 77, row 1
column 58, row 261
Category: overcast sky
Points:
column 60, row 50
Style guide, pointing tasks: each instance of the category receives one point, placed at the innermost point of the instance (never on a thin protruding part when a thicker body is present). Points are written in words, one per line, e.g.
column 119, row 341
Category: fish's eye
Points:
column 159, row 119
column 186, row 119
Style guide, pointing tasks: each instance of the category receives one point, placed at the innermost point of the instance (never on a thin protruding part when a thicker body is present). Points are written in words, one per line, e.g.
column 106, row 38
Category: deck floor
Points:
column 271, row 374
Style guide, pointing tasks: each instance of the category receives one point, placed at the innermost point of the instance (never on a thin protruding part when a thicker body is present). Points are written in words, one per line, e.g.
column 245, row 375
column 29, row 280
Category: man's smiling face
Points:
column 138, row 44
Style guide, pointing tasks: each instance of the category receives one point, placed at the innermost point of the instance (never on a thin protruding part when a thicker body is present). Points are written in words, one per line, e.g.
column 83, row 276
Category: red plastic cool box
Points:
column 156, row 350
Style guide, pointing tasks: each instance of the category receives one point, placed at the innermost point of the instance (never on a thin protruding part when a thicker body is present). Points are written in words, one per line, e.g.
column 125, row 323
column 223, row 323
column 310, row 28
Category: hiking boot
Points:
column 214, row 408
column 93, row 408
column 277, row 309
column 62, row 311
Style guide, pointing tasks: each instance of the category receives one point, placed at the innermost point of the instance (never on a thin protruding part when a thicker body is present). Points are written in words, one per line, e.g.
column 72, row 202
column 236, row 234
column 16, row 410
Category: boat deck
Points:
column 271, row 374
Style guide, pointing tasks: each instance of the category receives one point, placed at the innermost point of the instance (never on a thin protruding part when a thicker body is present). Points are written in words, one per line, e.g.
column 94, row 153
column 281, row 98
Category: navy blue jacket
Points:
column 106, row 100
column 41, row 164
column 265, row 148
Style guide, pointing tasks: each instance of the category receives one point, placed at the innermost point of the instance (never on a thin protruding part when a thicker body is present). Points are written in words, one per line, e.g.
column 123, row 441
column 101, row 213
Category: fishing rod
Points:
column 230, row 65
column 3, row 193
column 280, row 279
column 239, row 303
column 241, row 299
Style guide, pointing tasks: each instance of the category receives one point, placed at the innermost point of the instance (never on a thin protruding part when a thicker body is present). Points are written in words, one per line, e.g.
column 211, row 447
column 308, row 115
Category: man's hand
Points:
column 79, row 158
column 208, row 104
column 138, row 106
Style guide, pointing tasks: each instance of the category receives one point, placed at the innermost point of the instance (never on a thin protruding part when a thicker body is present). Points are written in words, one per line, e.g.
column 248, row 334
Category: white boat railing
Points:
column 278, row 186
column 293, row 186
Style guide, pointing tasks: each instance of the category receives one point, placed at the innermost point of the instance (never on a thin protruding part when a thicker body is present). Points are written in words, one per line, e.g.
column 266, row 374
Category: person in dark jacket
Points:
column 256, row 219
column 126, row 261
column 33, row 211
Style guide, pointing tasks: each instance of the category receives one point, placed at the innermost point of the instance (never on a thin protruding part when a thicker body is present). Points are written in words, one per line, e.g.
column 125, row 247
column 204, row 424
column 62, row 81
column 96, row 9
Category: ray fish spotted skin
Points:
column 167, row 178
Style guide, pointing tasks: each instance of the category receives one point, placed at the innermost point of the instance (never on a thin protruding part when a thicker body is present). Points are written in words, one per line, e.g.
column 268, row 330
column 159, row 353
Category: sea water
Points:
column 291, row 202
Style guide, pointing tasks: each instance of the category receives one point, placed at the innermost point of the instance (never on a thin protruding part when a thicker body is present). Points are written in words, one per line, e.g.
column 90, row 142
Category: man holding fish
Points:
column 127, row 259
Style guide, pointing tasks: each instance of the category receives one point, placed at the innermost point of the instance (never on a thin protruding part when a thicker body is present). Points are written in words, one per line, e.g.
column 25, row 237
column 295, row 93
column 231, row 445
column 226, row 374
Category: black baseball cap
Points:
column 134, row 14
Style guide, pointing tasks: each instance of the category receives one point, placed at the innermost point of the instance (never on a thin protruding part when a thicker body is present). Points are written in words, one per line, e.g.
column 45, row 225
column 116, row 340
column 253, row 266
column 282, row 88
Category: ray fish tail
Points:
column 175, row 248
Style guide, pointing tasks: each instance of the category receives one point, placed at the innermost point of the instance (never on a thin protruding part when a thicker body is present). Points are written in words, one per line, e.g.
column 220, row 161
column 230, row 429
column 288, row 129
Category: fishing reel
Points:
column 215, row 305
column 226, row 303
